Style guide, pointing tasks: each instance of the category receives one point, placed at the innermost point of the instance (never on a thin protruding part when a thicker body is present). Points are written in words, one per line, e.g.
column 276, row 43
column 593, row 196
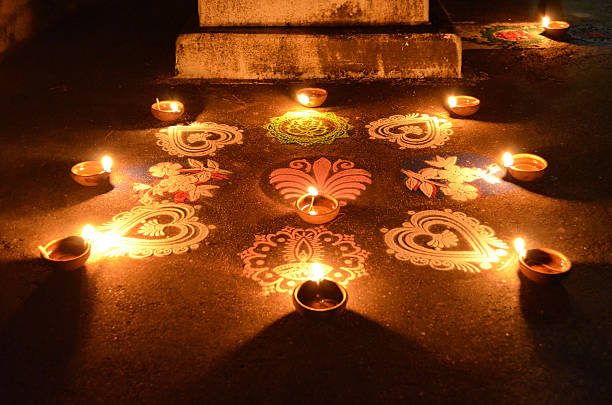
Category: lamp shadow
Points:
column 44, row 186
column 37, row 342
column 571, row 331
column 349, row 359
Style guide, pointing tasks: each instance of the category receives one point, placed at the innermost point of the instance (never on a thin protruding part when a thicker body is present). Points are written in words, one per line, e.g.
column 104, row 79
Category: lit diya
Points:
column 525, row 166
column 67, row 254
column 167, row 110
column 542, row 265
column 319, row 298
column 316, row 208
column 463, row 105
column 311, row 96
column 555, row 29
column 92, row 172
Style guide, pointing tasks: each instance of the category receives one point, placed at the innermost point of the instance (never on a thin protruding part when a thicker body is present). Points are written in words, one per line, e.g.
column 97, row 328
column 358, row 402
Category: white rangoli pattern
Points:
column 340, row 179
column 279, row 261
column 198, row 138
column 451, row 179
column 154, row 230
column 446, row 240
column 412, row 131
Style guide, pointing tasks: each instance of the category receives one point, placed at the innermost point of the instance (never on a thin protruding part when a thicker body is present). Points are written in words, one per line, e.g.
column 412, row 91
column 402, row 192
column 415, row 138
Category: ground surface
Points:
column 191, row 328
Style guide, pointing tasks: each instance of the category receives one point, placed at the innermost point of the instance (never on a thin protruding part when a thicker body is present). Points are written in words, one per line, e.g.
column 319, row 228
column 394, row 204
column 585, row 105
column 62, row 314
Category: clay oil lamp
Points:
column 525, row 166
column 92, row 173
column 69, row 253
column 167, row 110
column 311, row 97
column 319, row 298
column 542, row 265
column 463, row 106
column 316, row 208
column 555, row 29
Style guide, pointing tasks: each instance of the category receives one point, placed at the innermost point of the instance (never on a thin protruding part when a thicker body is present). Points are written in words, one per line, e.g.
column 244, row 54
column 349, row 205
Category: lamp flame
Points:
column 519, row 246
column 303, row 99
column 317, row 272
column 313, row 190
column 107, row 163
column 508, row 159
column 89, row 233
column 545, row 22
column 174, row 107
column 452, row 102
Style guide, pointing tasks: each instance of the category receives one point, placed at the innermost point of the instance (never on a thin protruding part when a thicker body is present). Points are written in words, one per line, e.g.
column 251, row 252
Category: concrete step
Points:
column 268, row 54
column 238, row 13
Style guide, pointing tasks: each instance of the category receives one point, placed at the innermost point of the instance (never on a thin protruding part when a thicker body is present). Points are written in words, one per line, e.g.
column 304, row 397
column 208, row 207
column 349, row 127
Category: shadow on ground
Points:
column 38, row 341
column 350, row 360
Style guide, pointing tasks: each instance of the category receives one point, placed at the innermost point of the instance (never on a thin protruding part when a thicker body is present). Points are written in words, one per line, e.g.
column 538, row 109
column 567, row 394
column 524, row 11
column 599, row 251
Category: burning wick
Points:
column 317, row 272
column 303, row 98
column 519, row 246
column 545, row 22
column 43, row 252
column 174, row 107
column 107, row 163
column 452, row 102
column 508, row 159
column 313, row 192
column 157, row 101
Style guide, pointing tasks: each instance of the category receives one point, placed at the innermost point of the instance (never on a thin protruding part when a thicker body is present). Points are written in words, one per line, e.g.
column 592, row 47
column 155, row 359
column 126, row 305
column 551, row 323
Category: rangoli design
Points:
column 308, row 127
column 183, row 183
column 413, row 131
column 513, row 35
column 591, row 34
column 452, row 180
column 154, row 230
column 198, row 138
column 446, row 240
column 279, row 261
column 340, row 179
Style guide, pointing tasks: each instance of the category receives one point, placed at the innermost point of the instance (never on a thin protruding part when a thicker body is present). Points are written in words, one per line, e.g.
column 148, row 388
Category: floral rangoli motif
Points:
column 513, row 35
column 154, row 230
column 446, row 240
column 183, row 183
column 340, row 179
column 413, row 131
column 279, row 261
column 198, row 139
column 449, row 178
column 308, row 127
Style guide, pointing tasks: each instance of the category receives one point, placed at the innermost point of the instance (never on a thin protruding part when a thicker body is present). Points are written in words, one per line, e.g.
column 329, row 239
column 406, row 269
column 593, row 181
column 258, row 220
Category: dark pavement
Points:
column 191, row 328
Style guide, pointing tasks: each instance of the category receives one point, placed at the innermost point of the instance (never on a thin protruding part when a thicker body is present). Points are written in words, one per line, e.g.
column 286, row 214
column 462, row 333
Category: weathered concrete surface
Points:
column 214, row 13
column 265, row 56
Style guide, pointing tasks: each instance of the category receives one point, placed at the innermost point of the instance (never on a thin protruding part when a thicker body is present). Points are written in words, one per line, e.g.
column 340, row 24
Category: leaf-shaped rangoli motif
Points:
column 279, row 261
column 446, row 240
column 412, row 131
column 198, row 138
column 340, row 179
column 154, row 230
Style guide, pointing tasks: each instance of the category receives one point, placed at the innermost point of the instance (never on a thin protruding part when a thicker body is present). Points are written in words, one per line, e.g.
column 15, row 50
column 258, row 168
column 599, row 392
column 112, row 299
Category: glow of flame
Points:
column 174, row 107
column 508, row 159
column 107, row 163
column 452, row 102
column 303, row 99
column 519, row 246
column 313, row 190
column 89, row 233
column 312, row 212
column 317, row 272
column 545, row 22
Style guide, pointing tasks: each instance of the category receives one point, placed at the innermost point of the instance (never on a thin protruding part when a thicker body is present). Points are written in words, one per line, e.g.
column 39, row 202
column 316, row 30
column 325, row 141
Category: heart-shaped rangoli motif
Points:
column 153, row 230
column 198, row 138
column 446, row 240
column 340, row 179
column 413, row 131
